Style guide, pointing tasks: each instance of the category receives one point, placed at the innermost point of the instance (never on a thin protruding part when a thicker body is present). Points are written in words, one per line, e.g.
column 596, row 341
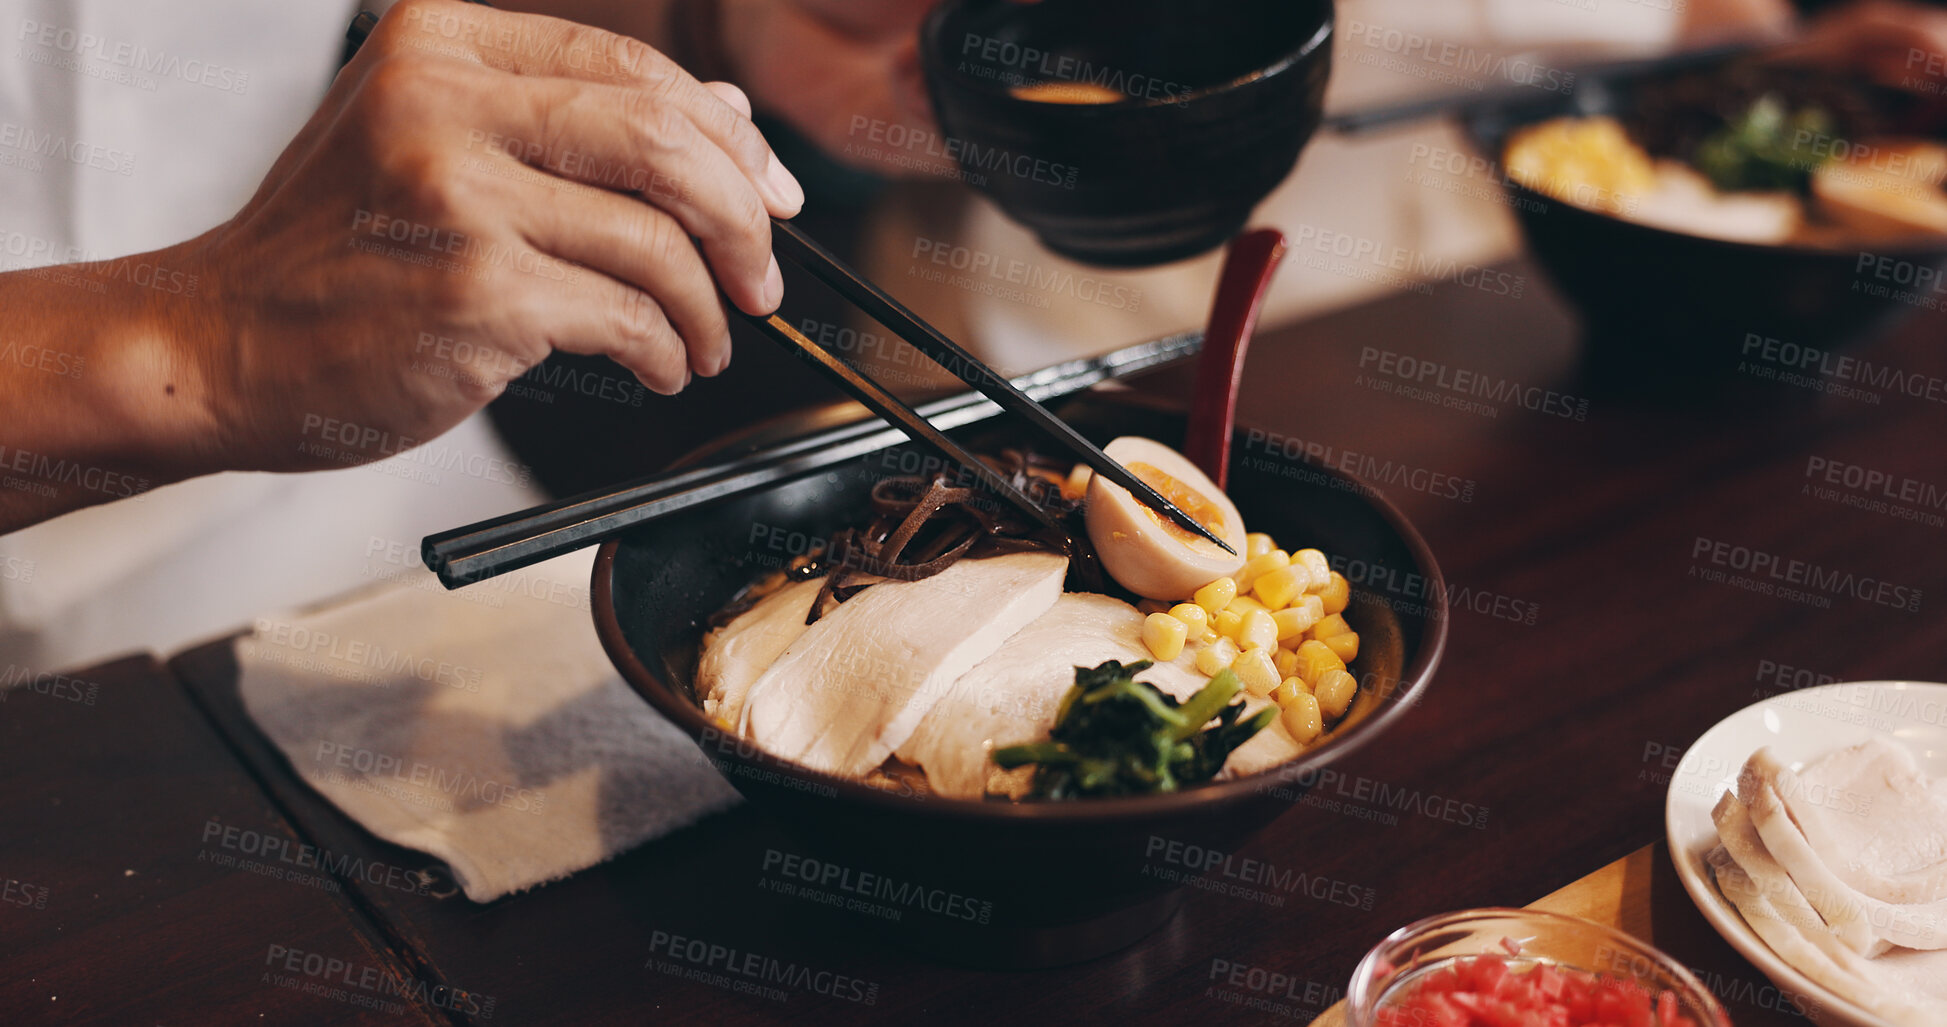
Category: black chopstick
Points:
column 897, row 413
column 789, row 240
column 512, row 541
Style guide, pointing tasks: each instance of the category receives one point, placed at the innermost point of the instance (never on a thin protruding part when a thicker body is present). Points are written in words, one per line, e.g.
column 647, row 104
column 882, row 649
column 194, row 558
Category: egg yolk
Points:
column 1187, row 499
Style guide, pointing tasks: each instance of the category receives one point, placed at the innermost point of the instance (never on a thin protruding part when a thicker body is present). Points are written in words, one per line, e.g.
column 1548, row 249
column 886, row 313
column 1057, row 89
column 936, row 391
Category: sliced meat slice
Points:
column 737, row 654
column 1011, row 696
column 1832, row 966
column 1913, row 925
column 1783, row 899
column 854, row 686
column 1872, row 815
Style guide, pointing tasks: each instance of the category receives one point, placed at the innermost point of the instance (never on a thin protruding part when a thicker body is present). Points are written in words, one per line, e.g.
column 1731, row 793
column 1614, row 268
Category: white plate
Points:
column 1797, row 726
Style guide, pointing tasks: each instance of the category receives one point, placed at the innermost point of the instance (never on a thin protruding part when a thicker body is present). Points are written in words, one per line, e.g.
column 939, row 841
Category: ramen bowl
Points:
column 995, row 883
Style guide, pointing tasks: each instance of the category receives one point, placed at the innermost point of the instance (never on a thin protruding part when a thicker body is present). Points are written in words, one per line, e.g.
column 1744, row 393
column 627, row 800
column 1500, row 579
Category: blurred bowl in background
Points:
column 1128, row 132
column 1658, row 302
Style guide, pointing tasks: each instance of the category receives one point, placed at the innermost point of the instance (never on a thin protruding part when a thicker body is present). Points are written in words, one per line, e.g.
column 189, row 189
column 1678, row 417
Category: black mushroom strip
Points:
column 920, row 526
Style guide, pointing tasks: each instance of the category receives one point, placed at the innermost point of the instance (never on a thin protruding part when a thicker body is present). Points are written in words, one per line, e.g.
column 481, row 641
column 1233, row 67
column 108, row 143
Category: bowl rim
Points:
column 1369, row 963
column 930, row 62
column 688, row 716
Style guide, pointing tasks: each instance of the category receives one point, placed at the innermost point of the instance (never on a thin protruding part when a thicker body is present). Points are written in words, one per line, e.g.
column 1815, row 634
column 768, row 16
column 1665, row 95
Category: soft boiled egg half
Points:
column 1141, row 549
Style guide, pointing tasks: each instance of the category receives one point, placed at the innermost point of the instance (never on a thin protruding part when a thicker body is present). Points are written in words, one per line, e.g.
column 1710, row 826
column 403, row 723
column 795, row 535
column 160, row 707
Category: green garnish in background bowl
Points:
column 1769, row 146
column 1114, row 735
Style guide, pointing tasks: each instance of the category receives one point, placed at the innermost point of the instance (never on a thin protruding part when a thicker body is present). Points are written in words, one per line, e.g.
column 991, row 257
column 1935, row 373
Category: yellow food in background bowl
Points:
column 1590, row 162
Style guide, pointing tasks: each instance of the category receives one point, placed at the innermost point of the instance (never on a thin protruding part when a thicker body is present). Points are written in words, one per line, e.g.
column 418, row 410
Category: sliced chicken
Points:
column 1784, row 904
column 1011, row 696
column 1871, row 815
column 737, row 654
column 1879, row 989
column 1806, row 857
column 856, row 684
column 1913, row 925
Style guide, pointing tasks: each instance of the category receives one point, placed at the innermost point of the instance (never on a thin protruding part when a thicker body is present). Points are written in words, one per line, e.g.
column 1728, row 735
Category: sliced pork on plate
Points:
column 1838, row 867
column 1872, row 816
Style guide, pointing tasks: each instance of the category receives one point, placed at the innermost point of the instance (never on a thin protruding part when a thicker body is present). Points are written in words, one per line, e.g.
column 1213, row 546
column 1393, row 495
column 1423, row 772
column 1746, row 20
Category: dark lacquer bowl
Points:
column 996, row 883
column 1656, row 302
column 1220, row 98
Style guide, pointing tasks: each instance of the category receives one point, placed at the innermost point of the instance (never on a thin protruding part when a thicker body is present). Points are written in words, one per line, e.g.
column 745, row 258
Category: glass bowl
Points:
column 1405, row 956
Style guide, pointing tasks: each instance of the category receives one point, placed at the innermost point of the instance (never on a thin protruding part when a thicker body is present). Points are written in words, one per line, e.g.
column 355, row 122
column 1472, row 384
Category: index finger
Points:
column 541, row 46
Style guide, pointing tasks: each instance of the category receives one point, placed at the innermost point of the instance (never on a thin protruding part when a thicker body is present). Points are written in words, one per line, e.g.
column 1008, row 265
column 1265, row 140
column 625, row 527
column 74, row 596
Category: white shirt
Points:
column 128, row 125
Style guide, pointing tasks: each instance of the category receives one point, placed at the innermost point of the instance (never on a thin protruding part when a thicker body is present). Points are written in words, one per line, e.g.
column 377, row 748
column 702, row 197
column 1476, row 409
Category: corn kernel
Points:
column 1316, row 567
column 1216, row 656
column 1276, row 589
column 1258, row 543
column 1336, row 594
column 1209, row 635
column 1164, row 635
column 1244, row 604
column 1254, row 669
column 1227, row 623
column 1286, row 661
column 1315, row 658
column 1195, row 618
column 1335, row 691
column 1216, row 595
column 1258, row 630
column 1329, row 626
column 1260, row 564
column 1302, row 719
column 1288, row 689
column 1344, row 646
column 1293, row 621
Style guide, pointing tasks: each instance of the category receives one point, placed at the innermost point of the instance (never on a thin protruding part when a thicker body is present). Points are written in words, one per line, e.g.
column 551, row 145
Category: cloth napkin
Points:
column 483, row 726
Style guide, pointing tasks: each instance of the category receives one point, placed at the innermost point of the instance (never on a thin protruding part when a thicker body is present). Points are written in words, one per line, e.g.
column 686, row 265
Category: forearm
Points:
column 99, row 397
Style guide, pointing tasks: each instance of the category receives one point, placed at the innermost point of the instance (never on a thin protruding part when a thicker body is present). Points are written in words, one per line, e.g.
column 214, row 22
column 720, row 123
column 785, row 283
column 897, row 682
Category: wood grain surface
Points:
column 148, row 880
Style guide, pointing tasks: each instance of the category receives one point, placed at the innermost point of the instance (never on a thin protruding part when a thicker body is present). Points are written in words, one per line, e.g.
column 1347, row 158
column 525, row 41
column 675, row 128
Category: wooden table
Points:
column 1585, row 655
